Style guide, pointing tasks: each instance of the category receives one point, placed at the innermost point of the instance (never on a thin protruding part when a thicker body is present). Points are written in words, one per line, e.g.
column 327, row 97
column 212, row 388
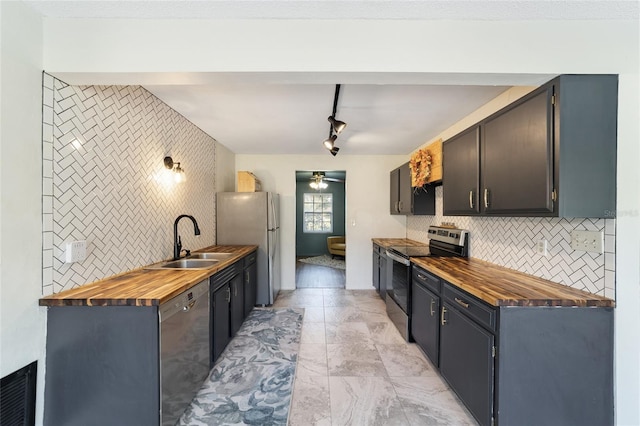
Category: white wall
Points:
column 225, row 169
column 22, row 321
column 367, row 205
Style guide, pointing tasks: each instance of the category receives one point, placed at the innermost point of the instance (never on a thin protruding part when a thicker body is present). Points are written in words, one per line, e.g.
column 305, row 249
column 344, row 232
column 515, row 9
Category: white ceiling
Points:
column 281, row 115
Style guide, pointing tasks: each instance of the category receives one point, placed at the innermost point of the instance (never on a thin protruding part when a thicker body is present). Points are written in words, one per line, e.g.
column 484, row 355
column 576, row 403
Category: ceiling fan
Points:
column 319, row 180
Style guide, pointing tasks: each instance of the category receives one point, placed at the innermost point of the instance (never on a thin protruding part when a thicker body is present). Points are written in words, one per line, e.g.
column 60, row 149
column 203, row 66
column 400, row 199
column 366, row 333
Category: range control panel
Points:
column 448, row 235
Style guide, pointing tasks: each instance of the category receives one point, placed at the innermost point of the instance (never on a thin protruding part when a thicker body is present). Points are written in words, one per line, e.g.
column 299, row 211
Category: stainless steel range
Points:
column 442, row 242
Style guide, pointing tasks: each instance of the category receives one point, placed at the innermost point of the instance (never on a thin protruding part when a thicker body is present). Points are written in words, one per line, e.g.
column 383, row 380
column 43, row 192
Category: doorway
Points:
column 320, row 229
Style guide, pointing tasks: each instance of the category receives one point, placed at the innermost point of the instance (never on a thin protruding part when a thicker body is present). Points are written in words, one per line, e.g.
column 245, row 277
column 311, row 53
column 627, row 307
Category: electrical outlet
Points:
column 76, row 251
column 542, row 247
column 592, row 241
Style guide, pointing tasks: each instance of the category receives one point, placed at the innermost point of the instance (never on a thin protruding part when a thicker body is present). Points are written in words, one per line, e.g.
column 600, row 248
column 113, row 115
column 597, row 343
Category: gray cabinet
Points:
column 226, row 312
column 233, row 296
column 466, row 354
column 518, row 365
column 220, row 320
column 461, row 176
column 550, row 153
column 517, row 158
column 406, row 200
column 250, row 282
column 380, row 271
column 425, row 313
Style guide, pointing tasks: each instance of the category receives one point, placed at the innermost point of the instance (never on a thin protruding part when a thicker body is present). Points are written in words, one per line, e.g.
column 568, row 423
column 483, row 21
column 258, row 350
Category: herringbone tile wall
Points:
column 511, row 242
column 104, row 181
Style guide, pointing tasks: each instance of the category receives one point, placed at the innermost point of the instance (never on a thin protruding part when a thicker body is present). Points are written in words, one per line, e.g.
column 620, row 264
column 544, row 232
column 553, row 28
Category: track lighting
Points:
column 328, row 143
column 336, row 126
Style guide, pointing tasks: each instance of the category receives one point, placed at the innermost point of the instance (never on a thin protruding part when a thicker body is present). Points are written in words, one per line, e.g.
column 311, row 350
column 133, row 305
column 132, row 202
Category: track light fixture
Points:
column 336, row 126
column 328, row 143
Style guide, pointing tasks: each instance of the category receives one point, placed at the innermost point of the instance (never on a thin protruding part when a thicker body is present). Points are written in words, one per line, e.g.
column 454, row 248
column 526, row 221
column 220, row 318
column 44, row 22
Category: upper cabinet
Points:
column 406, row 200
column 462, row 173
column 551, row 153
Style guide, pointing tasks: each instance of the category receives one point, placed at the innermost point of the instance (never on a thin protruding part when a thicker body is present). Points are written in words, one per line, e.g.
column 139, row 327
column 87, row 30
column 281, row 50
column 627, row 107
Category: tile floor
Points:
column 354, row 368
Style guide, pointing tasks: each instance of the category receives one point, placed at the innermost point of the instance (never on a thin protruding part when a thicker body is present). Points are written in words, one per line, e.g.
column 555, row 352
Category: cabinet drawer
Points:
column 470, row 305
column 248, row 260
column 426, row 279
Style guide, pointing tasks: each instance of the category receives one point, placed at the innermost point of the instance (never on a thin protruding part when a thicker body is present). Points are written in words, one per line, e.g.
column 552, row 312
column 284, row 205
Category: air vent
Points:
column 18, row 397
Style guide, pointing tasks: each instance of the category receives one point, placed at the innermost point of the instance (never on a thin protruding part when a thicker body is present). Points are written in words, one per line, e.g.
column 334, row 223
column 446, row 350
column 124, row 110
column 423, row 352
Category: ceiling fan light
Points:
column 337, row 125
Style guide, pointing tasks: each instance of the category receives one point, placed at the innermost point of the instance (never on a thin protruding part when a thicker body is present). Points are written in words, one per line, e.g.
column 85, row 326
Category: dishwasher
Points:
column 184, row 350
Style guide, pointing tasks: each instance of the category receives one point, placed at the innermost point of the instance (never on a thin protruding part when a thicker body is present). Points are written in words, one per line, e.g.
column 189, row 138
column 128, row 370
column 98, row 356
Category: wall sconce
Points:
column 178, row 171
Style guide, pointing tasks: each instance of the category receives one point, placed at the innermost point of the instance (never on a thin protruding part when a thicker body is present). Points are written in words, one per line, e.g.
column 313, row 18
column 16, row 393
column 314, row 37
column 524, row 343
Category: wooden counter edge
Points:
column 69, row 298
column 586, row 299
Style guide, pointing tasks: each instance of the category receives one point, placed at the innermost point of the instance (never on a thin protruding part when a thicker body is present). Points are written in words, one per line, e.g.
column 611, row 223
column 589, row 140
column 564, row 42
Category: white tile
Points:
column 609, row 243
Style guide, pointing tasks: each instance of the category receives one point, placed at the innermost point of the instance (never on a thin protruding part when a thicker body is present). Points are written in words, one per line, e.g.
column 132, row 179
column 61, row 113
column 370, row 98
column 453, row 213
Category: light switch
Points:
column 591, row 241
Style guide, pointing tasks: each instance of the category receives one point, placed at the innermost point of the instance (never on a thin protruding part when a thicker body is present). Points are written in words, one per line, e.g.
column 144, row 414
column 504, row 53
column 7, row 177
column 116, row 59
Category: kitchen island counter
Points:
column 144, row 287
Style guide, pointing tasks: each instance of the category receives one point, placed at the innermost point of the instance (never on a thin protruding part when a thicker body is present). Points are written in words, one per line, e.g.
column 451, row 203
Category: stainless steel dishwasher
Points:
column 184, row 350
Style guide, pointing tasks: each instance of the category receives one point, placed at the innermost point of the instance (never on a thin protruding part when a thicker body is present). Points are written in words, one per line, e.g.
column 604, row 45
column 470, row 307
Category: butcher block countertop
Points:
column 388, row 242
column 143, row 287
column 500, row 286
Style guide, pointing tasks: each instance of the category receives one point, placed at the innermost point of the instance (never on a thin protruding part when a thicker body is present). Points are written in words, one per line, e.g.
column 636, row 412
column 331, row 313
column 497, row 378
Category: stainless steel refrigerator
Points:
column 252, row 218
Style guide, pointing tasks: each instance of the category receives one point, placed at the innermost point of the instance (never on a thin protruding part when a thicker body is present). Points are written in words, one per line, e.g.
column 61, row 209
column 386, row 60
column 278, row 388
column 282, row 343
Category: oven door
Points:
column 400, row 284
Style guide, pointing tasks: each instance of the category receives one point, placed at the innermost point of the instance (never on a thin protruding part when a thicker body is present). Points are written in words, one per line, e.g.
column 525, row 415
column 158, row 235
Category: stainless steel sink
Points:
column 218, row 256
column 186, row 264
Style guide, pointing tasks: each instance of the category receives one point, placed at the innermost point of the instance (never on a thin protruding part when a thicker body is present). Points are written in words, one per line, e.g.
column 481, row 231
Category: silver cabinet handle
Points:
column 228, row 294
column 486, row 198
column 461, row 302
column 422, row 277
column 235, row 290
column 399, row 205
column 431, row 311
column 471, row 199
column 443, row 321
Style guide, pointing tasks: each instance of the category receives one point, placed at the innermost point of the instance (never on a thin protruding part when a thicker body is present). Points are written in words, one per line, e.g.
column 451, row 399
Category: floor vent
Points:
column 18, row 397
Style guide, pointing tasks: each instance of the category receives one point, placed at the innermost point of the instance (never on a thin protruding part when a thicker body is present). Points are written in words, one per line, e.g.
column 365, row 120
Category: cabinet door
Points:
column 383, row 275
column 375, row 272
column 466, row 361
column 220, row 335
column 237, row 303
column 405, row 202
column 394, row 191
column 517, row 159
column 425, row 320
column 250, row 288
column 461, row 174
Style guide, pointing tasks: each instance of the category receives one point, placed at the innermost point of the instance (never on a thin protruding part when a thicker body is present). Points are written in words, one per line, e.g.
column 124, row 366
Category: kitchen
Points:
column 22, row 276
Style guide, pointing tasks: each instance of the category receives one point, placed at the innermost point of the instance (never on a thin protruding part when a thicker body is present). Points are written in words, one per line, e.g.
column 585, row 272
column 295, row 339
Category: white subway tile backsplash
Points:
column 511, row 242
column 107, row 182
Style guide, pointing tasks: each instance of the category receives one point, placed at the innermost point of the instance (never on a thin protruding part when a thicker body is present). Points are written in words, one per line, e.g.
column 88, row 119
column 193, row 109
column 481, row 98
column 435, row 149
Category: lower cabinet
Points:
column 466, row 361
column 425, row 313
column 250, row 282
column 379, row 270
column 220, row 323
column 233, row 296
column 517, row 365
column 236, row 288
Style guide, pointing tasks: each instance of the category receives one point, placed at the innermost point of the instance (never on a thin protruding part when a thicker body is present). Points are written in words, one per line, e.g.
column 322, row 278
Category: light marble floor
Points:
column 354, row 368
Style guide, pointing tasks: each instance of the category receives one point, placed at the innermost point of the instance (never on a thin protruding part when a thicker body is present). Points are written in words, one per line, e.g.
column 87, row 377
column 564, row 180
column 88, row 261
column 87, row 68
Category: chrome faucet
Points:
column 177, row 243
